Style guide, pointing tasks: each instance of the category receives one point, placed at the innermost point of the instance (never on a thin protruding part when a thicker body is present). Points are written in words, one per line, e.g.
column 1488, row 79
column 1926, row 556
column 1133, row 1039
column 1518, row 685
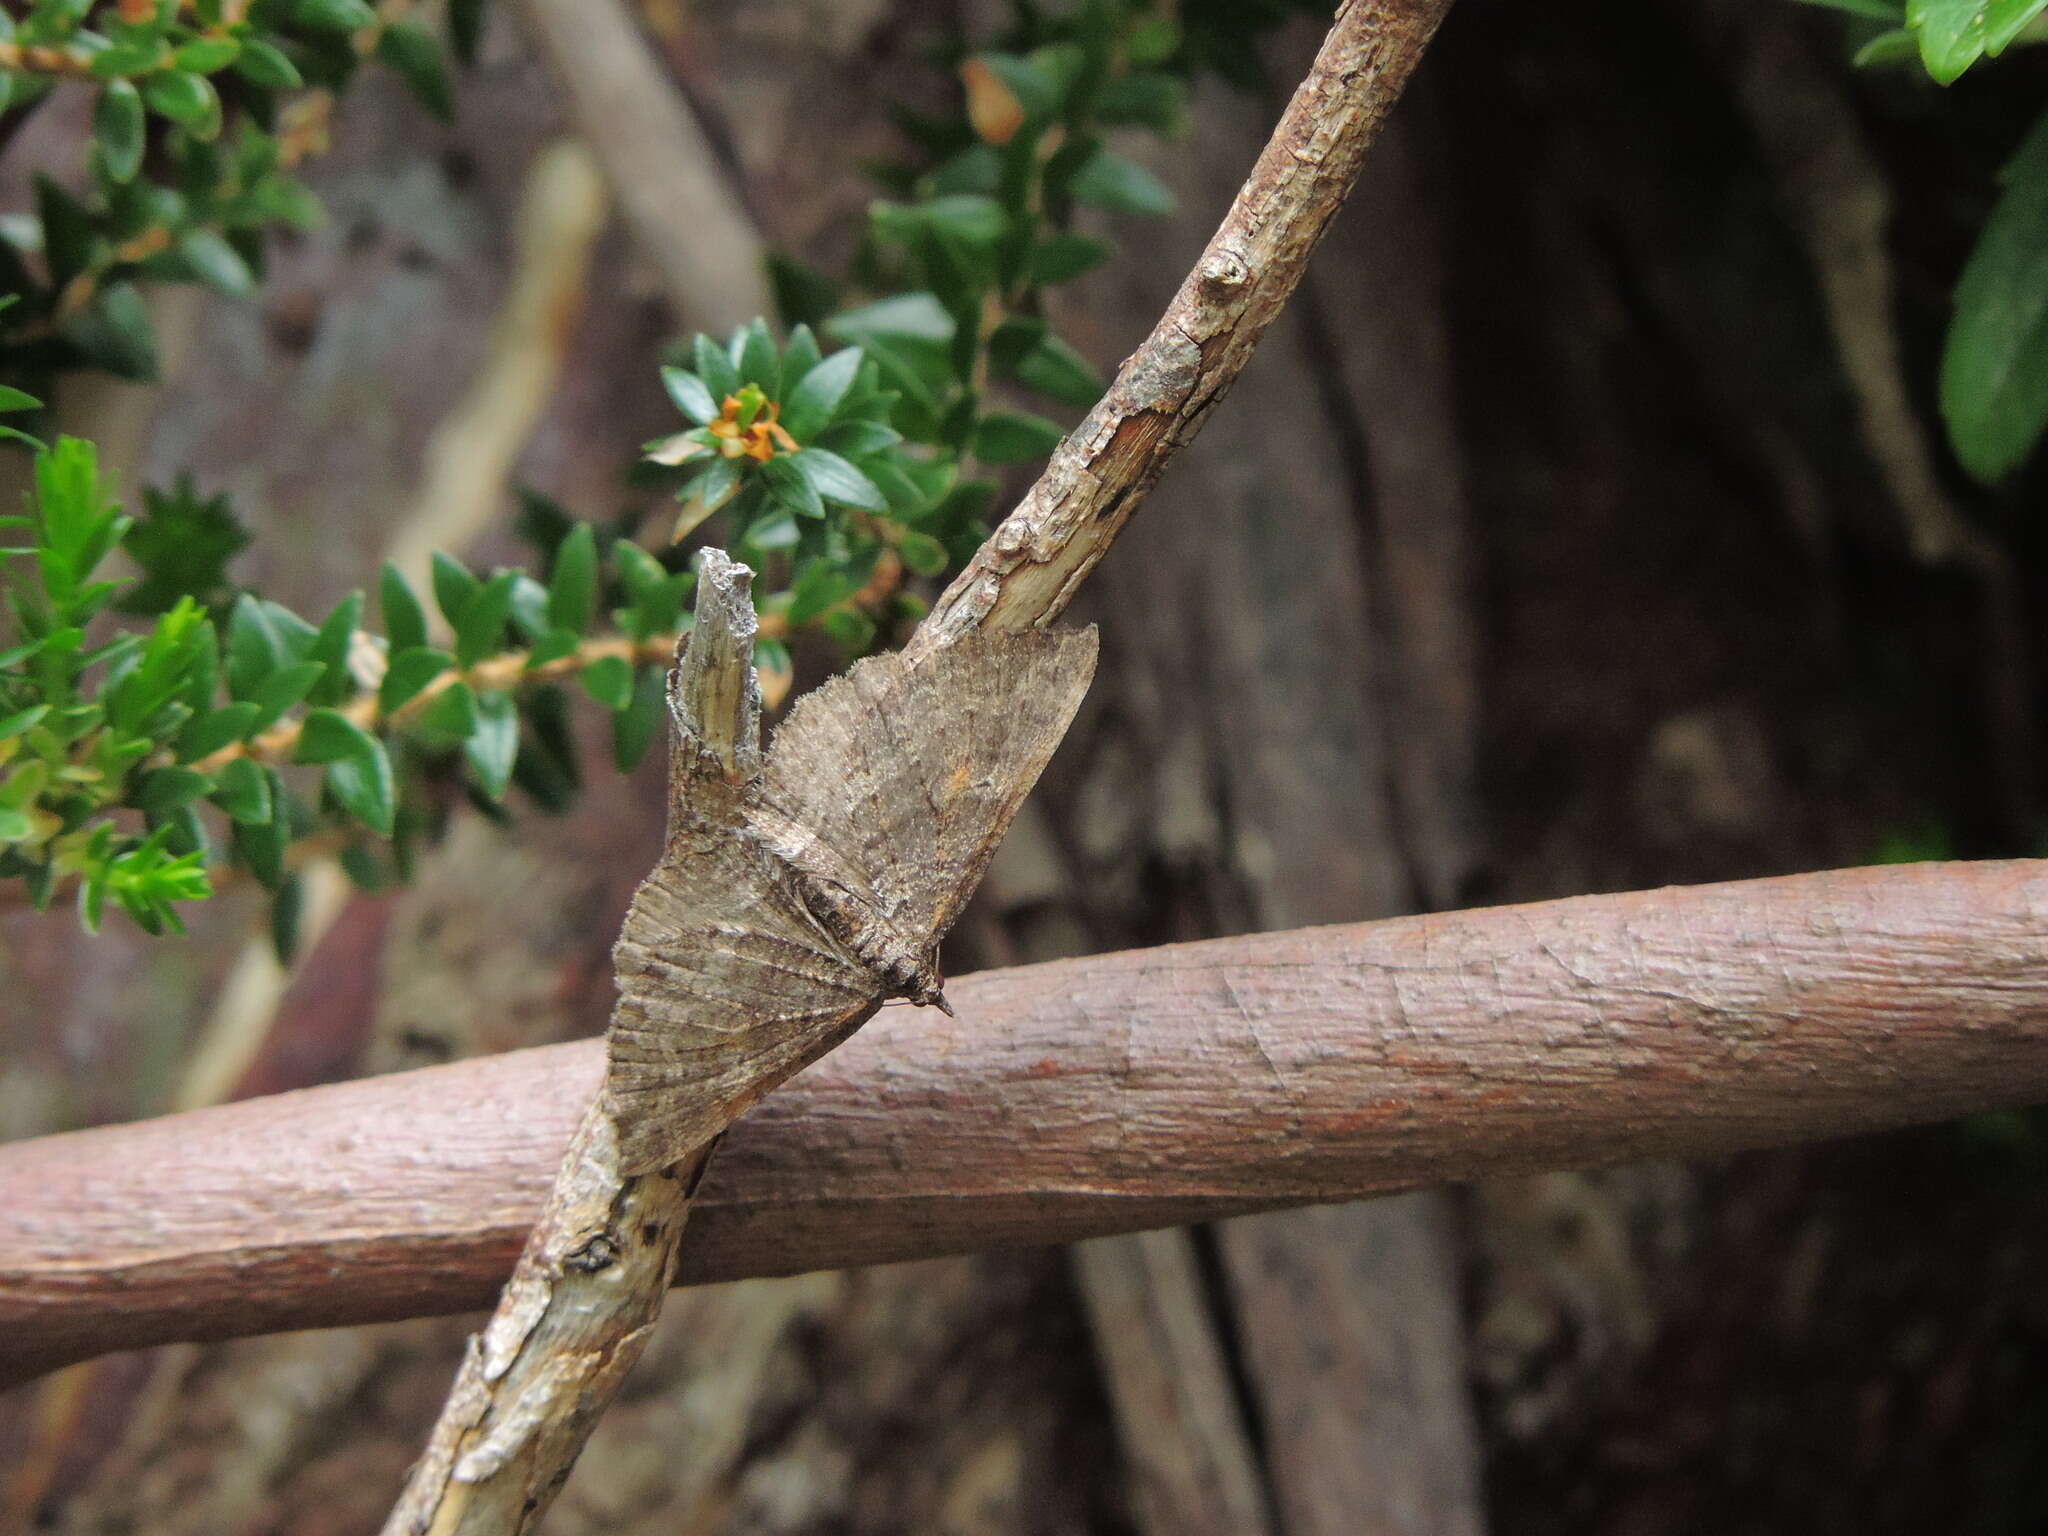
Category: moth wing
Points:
column 907, row 776
column 726, row 987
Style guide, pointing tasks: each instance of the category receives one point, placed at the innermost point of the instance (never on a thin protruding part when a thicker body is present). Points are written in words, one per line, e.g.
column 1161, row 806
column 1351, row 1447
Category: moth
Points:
column 786, row 910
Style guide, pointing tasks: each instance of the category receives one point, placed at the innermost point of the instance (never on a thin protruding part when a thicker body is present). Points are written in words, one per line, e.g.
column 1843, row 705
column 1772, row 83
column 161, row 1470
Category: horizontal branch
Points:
column 1087, row 1097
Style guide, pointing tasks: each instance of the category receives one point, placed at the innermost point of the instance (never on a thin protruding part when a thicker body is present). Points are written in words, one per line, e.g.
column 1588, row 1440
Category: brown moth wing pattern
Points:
column 726, row 987
column 893, row 782
column 905, row 777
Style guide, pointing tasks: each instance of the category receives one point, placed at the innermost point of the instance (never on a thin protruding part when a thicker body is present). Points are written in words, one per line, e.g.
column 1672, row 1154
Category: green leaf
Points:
column 690, row 395
column 572, row 586
column 254, row 648
column 1887, row 49
column 206, row 55
column 115, row 335
column 134, row 56
column 405, row 624
column 363, row 785
column 792, row 488
column 1013, row 437
column 714, row 367
column 635, row 726
column 118, row 126
column 800, row 355
column 415, row 58
column 822, row 584
column 68, row 235
column 333, row 15
column 851, row 630
column 1123, row 186
column 851, row 439
column 529, row 607
column 609, row 680
column 817, row 395
column 835, row 480
column 493, row 744
column 243, row 792
column 21, row 720
column 1994, row 367
column 184, row 542
column 410, row 671
column 261, row 64
column 454, row 587
column 753, row 354
column 12, row 399
column 166, row 790
column 329, row 736
column 451, row 713
column 190, row 101
column 1152, row 40
column 552, row 646
column 331, row 648
column 280, row 691
column 1060, row 373
column 208, row 733
column 1148, row 99
column 261, row 845
column 216, row 263
column 482, row 626
column 915, row 316
column 362, row 867
column 921, row 553
column 1954, row 34
column 775, row 530
column 1062, row 257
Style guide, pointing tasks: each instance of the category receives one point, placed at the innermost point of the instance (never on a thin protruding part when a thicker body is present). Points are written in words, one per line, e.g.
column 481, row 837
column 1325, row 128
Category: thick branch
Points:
column 1087, row 1097
column 1028, row 570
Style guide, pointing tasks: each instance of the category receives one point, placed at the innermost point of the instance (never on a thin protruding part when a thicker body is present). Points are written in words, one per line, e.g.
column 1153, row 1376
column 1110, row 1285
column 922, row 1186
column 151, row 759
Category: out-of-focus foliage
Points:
column 1994, row 366
column 203, row 112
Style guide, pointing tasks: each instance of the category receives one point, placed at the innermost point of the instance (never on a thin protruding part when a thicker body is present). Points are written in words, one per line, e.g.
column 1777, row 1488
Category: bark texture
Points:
column 1091, row 1096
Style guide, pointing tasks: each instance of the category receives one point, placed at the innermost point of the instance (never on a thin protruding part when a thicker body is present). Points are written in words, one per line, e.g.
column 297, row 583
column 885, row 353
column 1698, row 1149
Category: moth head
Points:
column 919, row 980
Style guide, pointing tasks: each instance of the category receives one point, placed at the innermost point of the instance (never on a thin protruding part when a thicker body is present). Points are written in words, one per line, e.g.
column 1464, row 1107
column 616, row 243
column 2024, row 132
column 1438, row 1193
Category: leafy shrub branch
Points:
column 229, row 737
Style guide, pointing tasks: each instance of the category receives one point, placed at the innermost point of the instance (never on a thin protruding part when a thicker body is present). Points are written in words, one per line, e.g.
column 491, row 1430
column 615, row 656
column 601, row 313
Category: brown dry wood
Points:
column 1085, row 1097
column 685, row 212
column 1192, row 1470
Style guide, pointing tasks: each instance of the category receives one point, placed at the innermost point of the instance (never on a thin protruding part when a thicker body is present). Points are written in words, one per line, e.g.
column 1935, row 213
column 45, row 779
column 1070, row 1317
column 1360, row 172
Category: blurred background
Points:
column 1586, row 524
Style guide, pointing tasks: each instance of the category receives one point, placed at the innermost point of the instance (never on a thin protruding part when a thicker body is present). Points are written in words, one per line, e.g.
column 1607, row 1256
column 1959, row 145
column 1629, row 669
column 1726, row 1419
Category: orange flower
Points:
column 747, row 427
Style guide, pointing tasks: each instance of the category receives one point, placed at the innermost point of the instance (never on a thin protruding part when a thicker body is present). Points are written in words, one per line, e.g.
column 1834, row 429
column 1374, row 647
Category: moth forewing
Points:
column 760, row 943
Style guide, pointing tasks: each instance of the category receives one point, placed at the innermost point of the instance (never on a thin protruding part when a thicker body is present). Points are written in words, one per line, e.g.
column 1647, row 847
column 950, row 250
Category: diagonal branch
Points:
column 1086, row 1097
column 1028, row 570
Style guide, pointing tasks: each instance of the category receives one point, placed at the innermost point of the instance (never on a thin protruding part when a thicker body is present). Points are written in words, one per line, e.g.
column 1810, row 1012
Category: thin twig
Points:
column 1158, row 1087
